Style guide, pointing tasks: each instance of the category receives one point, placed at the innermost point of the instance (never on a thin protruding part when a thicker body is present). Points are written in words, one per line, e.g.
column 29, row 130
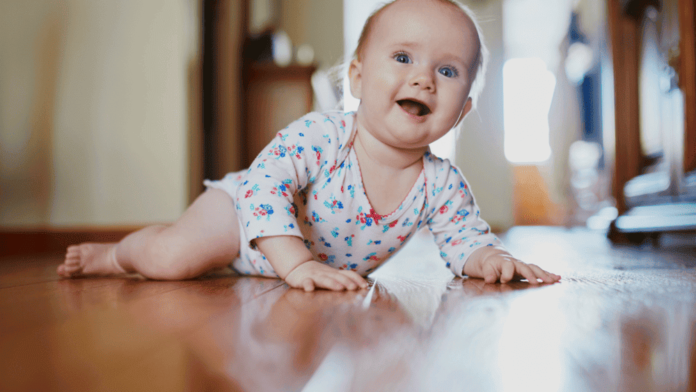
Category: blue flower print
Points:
column 333, row 204
column 323, row 240
column 349, row 240
column 459, row 215
column 463, row 189
column 334, row 232
column 317, row 218
column 281, row 189
column 308, row 123
column 436, row 190
column 278, row 151
column 351, row 190
column 364, row 219
column 295, row 151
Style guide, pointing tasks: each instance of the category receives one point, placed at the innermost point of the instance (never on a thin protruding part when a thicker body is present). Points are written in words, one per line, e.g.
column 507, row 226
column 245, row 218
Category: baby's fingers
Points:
column 508, row 272
column 308, row 284
column 345, row 280
column 356, row 278
column 490, row 275
column 524, row 270
column 543, row 275
column 328, row 282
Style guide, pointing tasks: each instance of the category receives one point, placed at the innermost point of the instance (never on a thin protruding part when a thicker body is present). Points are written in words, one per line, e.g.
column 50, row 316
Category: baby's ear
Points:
column 355, row 78
column 467, row 108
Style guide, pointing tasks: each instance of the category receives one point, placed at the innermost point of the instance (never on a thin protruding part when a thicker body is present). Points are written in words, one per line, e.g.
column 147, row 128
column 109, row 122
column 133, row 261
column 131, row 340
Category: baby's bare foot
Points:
column 90, row 259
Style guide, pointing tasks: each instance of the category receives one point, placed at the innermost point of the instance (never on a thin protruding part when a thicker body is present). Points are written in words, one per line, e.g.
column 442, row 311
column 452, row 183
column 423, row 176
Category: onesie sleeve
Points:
column 454, row 217
column 299, row 155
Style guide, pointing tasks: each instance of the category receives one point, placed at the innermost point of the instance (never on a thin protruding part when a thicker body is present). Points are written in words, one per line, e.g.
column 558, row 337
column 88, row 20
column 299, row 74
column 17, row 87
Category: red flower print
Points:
column 374, row 215
column 444, row 209
column 323, row 257
column 248, row 194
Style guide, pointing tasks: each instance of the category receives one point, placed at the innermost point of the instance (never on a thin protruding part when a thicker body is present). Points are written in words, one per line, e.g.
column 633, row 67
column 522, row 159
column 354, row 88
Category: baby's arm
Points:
column 494, row 263
column 293, row 262
column 465, row 240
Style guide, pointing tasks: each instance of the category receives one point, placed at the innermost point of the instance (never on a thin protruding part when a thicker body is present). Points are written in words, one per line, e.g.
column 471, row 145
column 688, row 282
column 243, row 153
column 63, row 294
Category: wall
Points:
column 94, row 110
column 480, row 152
column 318, row 23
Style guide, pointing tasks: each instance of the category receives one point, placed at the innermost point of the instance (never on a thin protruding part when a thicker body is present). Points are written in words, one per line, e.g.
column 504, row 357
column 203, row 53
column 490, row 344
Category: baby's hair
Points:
column 481, row 58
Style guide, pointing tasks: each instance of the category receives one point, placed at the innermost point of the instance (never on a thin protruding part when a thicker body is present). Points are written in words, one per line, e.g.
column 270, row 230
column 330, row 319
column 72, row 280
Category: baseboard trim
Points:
column 18, row 241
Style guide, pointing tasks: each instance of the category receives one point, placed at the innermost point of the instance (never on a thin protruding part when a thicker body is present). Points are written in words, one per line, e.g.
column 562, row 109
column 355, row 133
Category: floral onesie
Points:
column 307, row 183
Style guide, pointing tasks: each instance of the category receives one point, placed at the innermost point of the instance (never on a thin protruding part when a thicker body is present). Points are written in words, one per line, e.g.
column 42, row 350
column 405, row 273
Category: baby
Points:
column 334, row 195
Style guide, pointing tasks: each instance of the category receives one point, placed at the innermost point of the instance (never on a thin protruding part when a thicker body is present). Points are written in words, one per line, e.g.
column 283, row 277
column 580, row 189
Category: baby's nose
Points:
column 424, row 80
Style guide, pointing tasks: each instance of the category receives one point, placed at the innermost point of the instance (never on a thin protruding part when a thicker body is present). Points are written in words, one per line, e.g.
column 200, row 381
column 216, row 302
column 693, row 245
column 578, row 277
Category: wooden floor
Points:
column 623, row 318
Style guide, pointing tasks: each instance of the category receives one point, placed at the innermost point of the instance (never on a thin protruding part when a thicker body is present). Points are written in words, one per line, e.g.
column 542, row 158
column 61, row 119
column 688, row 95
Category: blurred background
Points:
column 113, row 112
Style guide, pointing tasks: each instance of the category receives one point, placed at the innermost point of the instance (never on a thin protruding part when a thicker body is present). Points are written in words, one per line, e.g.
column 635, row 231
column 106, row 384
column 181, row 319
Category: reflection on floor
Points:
column 623, row 318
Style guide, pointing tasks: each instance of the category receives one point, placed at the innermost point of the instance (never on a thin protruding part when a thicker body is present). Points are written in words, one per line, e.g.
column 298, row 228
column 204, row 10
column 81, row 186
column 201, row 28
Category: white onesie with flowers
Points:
column 307, row 183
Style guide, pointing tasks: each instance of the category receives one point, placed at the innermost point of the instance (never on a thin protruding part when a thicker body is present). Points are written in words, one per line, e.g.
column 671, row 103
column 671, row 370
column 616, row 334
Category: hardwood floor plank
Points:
column 23, row 270
column 622, row 319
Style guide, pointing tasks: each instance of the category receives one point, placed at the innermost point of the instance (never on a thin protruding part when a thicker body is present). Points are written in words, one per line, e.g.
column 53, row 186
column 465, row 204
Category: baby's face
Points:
column 415, row 73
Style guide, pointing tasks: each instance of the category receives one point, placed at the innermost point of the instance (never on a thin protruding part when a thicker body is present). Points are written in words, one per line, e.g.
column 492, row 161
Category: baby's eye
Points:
column 448, row 72
column 402, row 58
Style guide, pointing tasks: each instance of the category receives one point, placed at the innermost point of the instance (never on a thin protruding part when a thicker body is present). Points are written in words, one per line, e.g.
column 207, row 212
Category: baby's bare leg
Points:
column 205, row 237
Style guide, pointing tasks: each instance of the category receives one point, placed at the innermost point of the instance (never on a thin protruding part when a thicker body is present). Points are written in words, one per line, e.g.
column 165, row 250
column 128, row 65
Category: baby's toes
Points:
column 72, row 260
column 73, row 250
column 64, row 271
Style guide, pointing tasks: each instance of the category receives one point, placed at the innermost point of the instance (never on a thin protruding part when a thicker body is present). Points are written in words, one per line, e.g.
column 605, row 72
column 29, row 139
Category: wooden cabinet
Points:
column 273, row 98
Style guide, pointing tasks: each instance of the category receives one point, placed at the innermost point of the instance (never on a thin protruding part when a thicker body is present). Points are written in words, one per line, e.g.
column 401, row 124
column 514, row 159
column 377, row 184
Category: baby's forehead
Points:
column 406, row 9
column 395, row 19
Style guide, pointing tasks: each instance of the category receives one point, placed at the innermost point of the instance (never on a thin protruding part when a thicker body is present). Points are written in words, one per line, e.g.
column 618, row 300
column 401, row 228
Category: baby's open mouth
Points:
column 414, row 107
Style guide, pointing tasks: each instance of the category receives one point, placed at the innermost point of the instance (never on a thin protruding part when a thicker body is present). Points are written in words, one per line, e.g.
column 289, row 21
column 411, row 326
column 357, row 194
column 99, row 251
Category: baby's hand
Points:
column 495, row 264
column 313, row 274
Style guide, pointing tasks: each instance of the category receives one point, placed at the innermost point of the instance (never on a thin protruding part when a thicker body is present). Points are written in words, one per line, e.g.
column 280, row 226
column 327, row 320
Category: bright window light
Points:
column 528, row 89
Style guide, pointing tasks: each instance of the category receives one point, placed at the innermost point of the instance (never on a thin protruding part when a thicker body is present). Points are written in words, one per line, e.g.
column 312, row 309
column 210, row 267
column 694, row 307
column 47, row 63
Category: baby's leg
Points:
column 205, row 237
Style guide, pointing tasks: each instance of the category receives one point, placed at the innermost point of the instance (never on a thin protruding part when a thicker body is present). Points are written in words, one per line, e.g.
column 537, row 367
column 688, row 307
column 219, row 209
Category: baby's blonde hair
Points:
column 481, row 60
